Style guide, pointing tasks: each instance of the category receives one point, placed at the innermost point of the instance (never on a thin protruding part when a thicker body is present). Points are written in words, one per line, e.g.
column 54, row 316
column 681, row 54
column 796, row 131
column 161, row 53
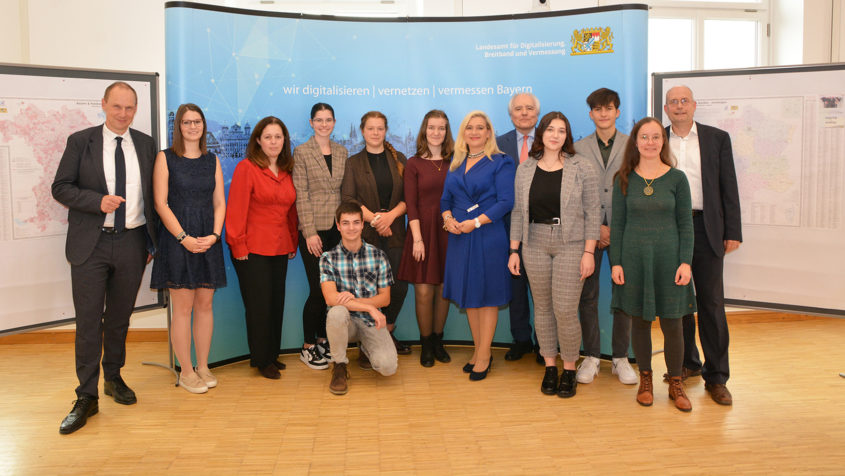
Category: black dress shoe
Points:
column 566, row 389
column 540, row 359
column 401, row 347
column 518, row 349
column 279, row 365
column 549, row 385
column 474, row 376
column 118, row 390
column 468, row 367
column 78, row 416
column 270, row 371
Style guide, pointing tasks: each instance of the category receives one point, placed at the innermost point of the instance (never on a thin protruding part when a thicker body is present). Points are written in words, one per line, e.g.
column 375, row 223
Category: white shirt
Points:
column 134, row 194
column 687, row 152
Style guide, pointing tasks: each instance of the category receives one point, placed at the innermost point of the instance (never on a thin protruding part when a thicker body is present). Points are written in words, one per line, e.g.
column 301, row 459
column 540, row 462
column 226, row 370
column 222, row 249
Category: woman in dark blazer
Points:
column 373, row 179
column 556, row 217
column 318, row 167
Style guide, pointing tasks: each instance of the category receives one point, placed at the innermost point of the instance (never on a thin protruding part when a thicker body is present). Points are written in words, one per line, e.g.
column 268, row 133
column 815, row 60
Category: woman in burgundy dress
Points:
column 424, row 254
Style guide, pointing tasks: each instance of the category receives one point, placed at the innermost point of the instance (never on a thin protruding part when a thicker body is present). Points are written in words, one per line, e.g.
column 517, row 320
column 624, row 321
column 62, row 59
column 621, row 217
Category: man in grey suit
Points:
column 524, row 109
column 705, row 155
column 605, row 149
column 104, row 178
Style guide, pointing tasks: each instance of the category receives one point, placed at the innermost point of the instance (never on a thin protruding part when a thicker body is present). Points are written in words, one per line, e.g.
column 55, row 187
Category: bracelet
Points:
column 513, row 250
column 417, row 241
column 181, row 237
column 585, row 251
column 217, row 235
column 448, row 217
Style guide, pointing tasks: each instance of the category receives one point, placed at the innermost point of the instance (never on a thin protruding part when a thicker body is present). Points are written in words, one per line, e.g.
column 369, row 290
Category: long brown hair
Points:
column 178, row 143
column 538, row 147
column 387, row 145
column 258, row 157
column 448, row 145
column 632, row 153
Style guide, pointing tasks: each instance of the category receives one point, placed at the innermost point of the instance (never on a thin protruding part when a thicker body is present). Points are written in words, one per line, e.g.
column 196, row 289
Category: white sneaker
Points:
column 207, row 377
column 312, row 358
column 324, row 350
column 193, row 383
column 624, row 371
column 588, row 370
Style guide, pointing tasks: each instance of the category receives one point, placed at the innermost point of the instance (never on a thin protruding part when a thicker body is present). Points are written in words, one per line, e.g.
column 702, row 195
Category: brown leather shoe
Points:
column 363, row 360
column 685, row 374
column 340, row 375
column 676, row 393
column 271, row 372
column 645, row 394
column 719, row 393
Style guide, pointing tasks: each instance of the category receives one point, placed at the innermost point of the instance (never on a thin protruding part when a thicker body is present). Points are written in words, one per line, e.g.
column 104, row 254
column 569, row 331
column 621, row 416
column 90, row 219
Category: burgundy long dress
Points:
column 423, row 188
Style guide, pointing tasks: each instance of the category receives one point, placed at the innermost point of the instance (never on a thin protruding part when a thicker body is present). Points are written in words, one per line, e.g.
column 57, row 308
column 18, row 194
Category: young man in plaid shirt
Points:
column 356, row 279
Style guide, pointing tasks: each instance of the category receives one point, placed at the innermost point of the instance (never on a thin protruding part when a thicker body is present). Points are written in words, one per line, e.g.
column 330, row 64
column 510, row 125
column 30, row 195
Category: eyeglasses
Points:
column 654, row 138
column 197, row 122
column 682, row 101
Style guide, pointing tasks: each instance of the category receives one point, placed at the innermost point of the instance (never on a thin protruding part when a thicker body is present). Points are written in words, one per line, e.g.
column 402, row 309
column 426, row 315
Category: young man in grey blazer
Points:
column 605, row 149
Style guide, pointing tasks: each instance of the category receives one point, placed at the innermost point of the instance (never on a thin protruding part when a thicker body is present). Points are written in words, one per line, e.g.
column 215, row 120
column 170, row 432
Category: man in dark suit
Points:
column 605, row 149
column 105, row 180
column 704, row 153
column 524, row 109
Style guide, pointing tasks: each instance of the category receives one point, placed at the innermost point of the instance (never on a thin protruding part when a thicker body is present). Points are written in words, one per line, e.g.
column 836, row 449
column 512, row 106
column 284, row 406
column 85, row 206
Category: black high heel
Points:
column 473, row 375
column 468, row 367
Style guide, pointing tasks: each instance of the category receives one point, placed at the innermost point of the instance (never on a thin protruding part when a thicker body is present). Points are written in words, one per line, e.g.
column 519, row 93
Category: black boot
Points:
column 439, row 351
column 427, row 354
column 567, row 384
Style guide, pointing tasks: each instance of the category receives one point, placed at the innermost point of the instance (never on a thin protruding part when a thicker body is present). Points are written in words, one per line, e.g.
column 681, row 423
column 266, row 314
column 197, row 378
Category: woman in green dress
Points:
column 652, row 220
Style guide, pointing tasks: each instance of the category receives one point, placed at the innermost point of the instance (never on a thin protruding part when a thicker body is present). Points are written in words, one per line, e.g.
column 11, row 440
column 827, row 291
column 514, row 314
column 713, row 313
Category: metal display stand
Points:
column 170, row 365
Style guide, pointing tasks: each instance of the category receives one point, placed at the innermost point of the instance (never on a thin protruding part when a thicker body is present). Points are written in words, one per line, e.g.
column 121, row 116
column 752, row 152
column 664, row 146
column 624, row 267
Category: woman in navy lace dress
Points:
column 189, row 198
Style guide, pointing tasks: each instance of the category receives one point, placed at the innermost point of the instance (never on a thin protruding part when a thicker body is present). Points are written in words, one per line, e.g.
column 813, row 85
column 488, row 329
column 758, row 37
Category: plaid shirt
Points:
column 362, row 273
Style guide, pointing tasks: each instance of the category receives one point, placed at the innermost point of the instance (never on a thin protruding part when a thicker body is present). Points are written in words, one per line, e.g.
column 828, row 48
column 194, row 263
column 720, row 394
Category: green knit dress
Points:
column 650, row 236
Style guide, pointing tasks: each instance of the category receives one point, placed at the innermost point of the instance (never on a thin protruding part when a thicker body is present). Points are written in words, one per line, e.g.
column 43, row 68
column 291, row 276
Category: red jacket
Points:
column 261, row 213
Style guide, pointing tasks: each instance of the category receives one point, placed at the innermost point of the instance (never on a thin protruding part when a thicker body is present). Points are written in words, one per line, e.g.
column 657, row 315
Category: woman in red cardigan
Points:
column 261, row 226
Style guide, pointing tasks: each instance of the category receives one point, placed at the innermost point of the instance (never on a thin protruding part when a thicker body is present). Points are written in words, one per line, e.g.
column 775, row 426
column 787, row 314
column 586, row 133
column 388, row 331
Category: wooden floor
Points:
column 788, row 417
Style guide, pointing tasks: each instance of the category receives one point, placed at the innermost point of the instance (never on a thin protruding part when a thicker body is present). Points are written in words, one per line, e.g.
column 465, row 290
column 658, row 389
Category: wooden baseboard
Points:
column 160, row 335
column 66, row 336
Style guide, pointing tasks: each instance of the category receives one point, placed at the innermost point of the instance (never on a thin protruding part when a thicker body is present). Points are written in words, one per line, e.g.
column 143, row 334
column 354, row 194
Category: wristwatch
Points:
column 513, row 250
column 477, row 222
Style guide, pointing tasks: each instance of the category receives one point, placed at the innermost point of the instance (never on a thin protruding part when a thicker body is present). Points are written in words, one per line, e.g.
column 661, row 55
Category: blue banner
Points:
column 241, row 65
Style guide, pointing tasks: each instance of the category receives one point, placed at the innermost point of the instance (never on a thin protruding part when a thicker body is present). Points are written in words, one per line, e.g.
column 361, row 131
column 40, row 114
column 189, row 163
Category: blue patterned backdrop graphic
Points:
column 242, row 66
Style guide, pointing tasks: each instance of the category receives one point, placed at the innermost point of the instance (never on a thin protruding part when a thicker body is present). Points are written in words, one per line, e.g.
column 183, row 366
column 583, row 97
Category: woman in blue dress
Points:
column 477, row 195
column 189, row 198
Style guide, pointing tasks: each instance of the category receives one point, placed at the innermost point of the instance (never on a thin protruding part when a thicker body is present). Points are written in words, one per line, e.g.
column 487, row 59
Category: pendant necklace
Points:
column 438, row 167
column 648, row 191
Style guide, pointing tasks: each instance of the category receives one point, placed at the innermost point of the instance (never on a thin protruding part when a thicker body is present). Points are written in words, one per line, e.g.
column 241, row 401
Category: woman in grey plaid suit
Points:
column 318, row 167
column 556, row 217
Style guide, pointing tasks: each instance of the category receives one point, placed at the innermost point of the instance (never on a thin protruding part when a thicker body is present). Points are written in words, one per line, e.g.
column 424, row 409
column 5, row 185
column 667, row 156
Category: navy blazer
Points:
column 80, row 185
column 722, row 219
column 507, row 144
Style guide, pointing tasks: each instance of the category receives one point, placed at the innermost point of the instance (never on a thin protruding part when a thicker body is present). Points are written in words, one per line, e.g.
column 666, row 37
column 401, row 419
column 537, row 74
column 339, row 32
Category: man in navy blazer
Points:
column 524, row 109
column 104, row 178
column 704, row 153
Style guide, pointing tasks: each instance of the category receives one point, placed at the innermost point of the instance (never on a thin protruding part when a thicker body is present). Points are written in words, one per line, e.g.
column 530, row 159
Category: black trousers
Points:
column 588, row 312
column 399, row 288
column 314, row 312
column 111, row 276
column 262, row 283
column 519, row 310
column 707, row 269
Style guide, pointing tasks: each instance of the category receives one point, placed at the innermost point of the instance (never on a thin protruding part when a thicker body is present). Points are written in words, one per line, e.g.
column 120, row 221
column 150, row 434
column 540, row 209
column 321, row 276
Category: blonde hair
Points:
column 461, row 148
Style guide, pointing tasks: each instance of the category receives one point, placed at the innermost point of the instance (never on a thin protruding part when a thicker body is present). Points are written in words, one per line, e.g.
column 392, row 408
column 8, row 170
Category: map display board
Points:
column 787, row 128
column 39, row 109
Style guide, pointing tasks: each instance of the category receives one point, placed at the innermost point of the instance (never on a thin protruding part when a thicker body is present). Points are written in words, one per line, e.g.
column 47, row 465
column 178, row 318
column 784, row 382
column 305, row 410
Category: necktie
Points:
column 119, row 185
column 523, row 154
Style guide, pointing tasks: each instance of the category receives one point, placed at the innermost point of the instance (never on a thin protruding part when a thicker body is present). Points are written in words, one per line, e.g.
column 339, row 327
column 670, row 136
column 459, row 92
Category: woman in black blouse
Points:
column 373, row 179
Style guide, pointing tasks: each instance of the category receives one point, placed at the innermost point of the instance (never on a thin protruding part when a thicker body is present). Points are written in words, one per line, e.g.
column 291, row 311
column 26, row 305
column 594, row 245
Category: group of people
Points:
column 488, row 218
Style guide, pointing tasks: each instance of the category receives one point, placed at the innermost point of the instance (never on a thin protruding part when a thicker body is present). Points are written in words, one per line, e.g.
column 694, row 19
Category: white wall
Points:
column 129, row 35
